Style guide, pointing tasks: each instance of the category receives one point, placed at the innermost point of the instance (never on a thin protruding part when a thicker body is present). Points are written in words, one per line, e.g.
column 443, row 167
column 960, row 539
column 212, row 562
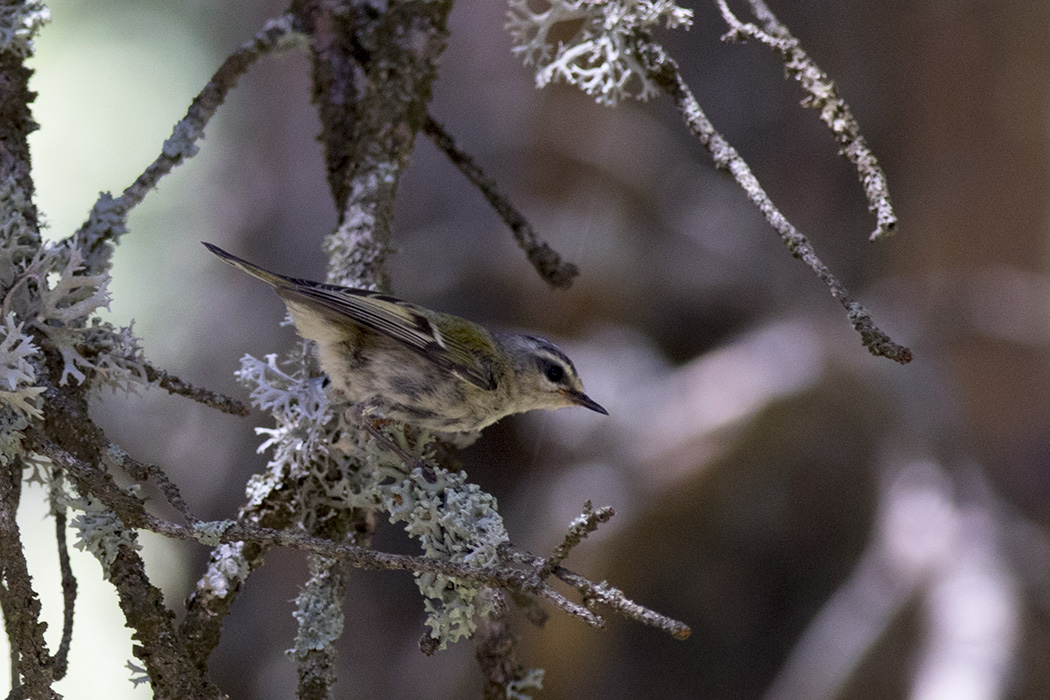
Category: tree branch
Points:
column 31, row 673
column 546, row 260
column 663, row 71
column 582, row 526
column 823, row 96
column 515, row 579
column 182, row 143
column 74, row 443
column 206, row 397
column 494, row 650
column 60, row 662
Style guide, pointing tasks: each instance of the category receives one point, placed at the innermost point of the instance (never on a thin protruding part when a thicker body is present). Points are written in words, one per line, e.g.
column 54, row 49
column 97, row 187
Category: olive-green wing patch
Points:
column 395, row 319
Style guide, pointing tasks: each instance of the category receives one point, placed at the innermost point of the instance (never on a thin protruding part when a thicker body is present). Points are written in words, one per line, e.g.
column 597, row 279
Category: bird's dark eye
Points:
column 555, row 373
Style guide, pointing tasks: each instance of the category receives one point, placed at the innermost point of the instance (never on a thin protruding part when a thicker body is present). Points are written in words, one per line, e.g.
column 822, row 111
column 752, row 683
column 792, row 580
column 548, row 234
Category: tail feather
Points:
column 271, row 278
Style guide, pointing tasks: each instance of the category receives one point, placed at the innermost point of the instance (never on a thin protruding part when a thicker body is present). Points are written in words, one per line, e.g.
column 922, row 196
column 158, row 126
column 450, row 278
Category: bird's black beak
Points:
column 581, row 399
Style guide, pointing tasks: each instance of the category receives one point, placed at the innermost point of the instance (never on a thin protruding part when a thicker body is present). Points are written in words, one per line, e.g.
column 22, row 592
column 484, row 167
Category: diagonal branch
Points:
column 663, row 71
column 206, row 397
column 190, row 129
column 182, row 143
column 546, row 260
column 610, row 596
column 584, row 524
column 821, row 95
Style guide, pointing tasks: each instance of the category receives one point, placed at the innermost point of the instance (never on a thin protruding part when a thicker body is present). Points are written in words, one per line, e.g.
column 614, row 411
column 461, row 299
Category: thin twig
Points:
column 545, row 259
column 214, row 399
column 614, row 598
column 822, row 96
column 31, row 674
column 609, row 596
column 581, row 526
column 60, row 661
column 190, row 129
column 132, row 512
column 141, row 471
column 663, row 71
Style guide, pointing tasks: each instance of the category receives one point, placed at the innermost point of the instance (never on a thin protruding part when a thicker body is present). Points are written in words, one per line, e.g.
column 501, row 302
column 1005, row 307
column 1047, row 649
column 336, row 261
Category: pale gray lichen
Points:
column 519, row 690
column 319, row 611
column 100, row 531
column 17, row 370
column 335, row 467
column 19, row 23
column 58, row 296
column 211, row 533
column 182, row 143
column 11, row 426
column 598, row 58
column 227, row 570
column 107, row 222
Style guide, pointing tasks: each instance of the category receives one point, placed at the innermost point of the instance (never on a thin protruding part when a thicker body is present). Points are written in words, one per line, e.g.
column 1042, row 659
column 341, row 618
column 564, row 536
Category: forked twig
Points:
column 822, row 96
column 584, row 524
column 663, row 71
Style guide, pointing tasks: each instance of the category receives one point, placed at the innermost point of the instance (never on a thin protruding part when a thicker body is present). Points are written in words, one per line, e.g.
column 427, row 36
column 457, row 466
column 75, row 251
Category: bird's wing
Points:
column 396, row 319
column 392, row 317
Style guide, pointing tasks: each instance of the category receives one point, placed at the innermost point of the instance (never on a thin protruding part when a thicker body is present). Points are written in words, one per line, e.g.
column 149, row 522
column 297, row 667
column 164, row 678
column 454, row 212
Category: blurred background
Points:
column 830, row 524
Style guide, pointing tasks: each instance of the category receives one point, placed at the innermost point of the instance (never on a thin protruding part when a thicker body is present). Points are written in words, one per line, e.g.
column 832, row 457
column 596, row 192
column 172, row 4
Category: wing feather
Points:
column 406, row 323
column 396, row 319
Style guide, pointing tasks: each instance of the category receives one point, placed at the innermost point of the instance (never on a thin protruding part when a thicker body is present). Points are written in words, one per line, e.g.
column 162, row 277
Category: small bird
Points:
column 426, row 368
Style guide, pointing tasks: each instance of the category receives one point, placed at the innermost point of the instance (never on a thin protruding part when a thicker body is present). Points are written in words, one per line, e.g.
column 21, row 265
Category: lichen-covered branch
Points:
column 372, row 80
column 206, row 397
column 115, row 456
column 585, row 524
column 610, row 596
column 502, row 675
column 106, row 221
column 822, row 96
column 60, row 662
column 108, row 514
column 610, row 48
column 602, row 593
column 515, row 571
column 663, row 70
column 31, row 670
column 546, row 260
column 320, row 616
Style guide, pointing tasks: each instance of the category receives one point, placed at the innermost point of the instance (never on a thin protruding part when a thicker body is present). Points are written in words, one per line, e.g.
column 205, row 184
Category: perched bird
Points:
column 430, row 369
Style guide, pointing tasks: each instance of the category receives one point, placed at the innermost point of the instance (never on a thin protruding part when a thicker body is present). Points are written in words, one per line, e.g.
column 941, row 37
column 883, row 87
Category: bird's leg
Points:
column 360, row 414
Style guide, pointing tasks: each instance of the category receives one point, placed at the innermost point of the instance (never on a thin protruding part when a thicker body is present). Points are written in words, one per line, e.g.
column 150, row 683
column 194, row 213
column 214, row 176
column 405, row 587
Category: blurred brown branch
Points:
column 546, row 260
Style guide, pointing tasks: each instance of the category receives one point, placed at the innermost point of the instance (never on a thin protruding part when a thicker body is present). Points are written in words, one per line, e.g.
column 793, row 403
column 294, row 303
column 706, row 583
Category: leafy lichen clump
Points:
column 450, row 518
column 598, row 57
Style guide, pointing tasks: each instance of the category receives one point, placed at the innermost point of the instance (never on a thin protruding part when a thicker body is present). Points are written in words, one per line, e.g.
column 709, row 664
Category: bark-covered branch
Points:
column 547, row 261
column 821, row 95
column 663, row 71
column 520, row 573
